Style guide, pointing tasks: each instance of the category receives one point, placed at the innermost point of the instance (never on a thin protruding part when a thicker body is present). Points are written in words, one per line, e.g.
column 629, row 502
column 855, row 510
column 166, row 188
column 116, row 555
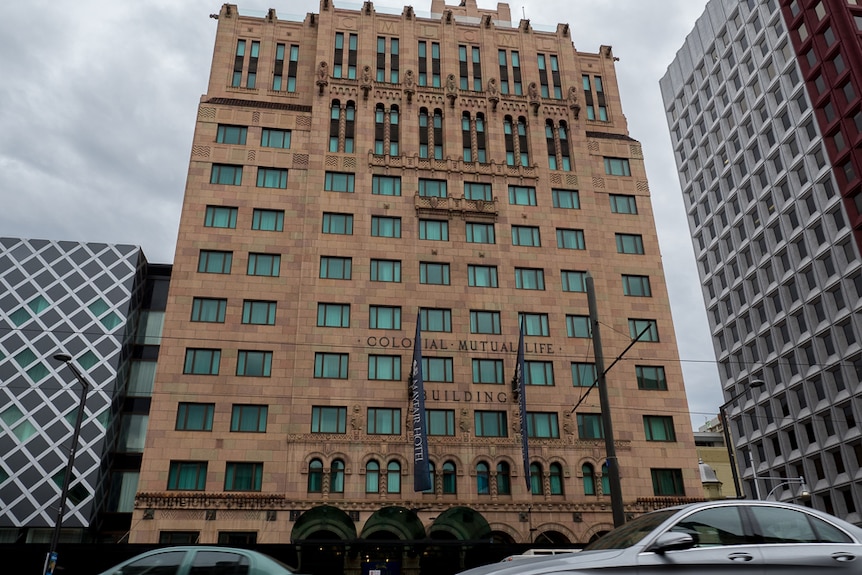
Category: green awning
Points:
column 462, row 523
column 319, row 521
column 401, row 522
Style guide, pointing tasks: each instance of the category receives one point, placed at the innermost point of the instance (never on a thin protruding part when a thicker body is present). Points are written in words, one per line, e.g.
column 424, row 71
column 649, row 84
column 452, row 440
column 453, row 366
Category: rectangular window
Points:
column 384, row 367
column 436, row 230
column 330, row 365
column 491, row 424
column 215, row 262
column 437, row 320
column 590, row 426
column 440, row 421
column 386, row 271
column 480, row 233
column 617, row 167
column 208, row 310
column 328, row 419
column 386, row 186
column 231, row 134
column 477, row 191
column 338, row 182
column 264, row 265
column 534, row 324
column 333, row 315
column 250, row 418
column 433, row 273
column 272, row 178
column 630, row 244
column 659, row 428
column 570, row 239
column 522, row 196
column 220, row 217
column 567, row 199
column 636, row 286
column 384, row 317
column 437, row 369
column 385, row 227
column 538, row 373
column 646, row 327
column 268, row 220
column 529, row 278
column 488, row 371
column 574, row 281
column 623, row 204
column 258, row 312
column 543, row 425
column 187, row 476
column 195, row 416
column 432, row 188
column 578, row 326
column 226, row 174
column 526, row 236
column 651, row 377
column 384, row 421
column 339, row 224
column 202, row 361
column 583, row 374
column 335, row 268
column 667, row 482
column 270, row 138
column 482, row 276
column 243, row 476
column 254, row 363
column 485, row 322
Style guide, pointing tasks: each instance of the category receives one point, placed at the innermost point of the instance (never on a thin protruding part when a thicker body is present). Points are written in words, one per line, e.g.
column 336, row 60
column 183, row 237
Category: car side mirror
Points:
column 672, row 541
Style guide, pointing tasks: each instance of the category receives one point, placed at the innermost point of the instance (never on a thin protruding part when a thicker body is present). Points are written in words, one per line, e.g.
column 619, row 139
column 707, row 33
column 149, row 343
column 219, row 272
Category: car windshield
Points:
column 632, row 532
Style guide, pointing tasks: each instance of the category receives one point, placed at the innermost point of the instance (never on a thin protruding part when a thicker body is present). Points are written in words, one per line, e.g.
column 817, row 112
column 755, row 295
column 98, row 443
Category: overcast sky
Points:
column 98, row 109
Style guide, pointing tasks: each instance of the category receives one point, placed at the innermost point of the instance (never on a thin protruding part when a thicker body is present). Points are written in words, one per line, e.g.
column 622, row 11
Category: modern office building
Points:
column 352, row 172
column 93, row 302
column 763, row 106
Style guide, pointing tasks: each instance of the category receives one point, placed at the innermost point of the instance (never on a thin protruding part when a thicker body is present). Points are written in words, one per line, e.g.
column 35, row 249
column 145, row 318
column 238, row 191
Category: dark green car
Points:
column 200, row 560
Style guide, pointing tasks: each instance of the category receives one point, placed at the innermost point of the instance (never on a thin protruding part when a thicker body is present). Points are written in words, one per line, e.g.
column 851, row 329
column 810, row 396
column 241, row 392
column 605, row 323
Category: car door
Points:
column 217, row 562
column 165, row 562
column 722, row 546
column 794, row 541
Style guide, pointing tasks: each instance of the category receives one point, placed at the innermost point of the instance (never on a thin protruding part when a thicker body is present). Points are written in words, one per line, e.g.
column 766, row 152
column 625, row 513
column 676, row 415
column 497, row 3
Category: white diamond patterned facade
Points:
column 74, row 298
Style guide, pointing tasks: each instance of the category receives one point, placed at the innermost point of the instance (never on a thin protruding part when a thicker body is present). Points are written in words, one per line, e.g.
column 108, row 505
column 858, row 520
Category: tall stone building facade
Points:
column 352, row 172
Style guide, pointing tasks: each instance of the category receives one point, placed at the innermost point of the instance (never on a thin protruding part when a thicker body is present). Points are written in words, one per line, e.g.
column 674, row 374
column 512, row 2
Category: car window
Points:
column 219, row 563
column 631, row 532
column 714, row 527
column 167, row 563
column 777, row 525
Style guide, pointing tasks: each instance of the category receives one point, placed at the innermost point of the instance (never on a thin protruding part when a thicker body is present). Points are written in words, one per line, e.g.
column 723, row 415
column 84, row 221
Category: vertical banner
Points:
column 421, row 470
column 518, row 387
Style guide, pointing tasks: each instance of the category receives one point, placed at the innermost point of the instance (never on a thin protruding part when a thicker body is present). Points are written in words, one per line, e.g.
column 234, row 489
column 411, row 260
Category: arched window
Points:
column 423, row 132
column 393, row 477
column 509, row 137
column 483, row 479
column 522, row 141
column 564, row 147
column 438, row 134
column 372, row 477
column 349, row 127
column 379, row 127
column 480, row 139
column 552, row 145
column 606, row 479
column 556, row 473
column 432, row 469
column 535, row 479
column 336, row 477
column 504, row 479
column 315, row 476
column 334, row 120
column 394, row 149
column 589, row 479
column 466, row 136
column 449, row 477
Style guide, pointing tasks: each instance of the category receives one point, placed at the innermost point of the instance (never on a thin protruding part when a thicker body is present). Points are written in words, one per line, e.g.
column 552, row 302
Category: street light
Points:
column 51, row 558
column 725, row 427
column 804, row 494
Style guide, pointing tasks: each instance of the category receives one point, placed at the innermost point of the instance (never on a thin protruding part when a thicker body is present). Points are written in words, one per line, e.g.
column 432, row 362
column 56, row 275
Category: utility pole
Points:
column 604, row 401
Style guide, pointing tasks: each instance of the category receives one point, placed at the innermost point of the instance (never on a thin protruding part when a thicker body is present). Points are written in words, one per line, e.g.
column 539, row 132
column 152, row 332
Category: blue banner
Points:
column 421, row 470
column 518, row 388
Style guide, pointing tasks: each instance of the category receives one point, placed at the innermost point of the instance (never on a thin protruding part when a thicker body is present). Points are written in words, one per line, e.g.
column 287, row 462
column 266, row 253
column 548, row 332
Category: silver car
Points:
column 739, row 537
column 200, row 560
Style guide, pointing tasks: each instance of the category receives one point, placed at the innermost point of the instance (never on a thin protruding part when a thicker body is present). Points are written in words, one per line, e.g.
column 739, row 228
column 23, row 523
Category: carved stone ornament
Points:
column 533, row 91
column 322, row 77
column 409, row 85
column 493, row 93
column 366, row 81
column 451, row 89
column 573, row 101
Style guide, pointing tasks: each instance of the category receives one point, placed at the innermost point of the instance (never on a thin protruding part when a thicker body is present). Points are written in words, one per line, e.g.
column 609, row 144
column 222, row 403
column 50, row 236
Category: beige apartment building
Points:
column 350, row 172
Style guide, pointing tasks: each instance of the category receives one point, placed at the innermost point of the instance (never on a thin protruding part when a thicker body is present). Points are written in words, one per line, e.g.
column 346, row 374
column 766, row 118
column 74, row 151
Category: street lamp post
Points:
column 731, row 454
column 51, row 559
column 784, row 481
